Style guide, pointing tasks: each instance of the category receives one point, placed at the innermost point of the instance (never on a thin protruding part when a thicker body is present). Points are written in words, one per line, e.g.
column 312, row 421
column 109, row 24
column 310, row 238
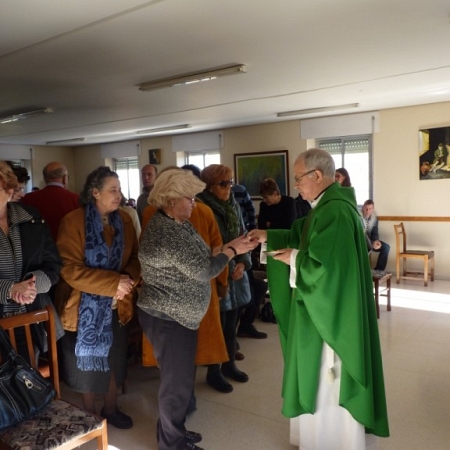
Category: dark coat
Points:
column 39, row 253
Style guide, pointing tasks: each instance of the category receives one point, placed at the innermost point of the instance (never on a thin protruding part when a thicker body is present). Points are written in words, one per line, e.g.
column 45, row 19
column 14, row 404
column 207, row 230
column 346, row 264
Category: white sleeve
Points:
column 293, row 274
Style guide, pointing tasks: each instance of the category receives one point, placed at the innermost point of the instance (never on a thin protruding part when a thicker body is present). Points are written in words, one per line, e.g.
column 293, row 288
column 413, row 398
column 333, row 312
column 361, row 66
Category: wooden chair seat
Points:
column 403, row 254
column 60, row 425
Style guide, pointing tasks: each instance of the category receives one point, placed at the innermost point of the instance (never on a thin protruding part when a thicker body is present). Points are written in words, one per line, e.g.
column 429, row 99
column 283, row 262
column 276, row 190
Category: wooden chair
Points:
column 402, row 253
column 377, row 278
column 60, row 425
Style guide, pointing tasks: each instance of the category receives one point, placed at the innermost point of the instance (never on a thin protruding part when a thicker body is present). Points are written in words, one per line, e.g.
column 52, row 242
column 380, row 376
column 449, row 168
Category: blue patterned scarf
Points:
column 95, row 334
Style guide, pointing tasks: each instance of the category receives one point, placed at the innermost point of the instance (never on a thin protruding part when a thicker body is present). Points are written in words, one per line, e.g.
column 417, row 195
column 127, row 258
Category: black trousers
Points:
column 228, row 320
column 250, row 312
column 383, row 257
column 174, row 347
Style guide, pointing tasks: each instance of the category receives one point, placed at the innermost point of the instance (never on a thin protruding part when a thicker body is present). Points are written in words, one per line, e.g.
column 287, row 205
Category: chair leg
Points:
column 388, row 294
column 102, row 440
column 425, row 271
column 397, row 270
column 432, row 268
column 377, row 304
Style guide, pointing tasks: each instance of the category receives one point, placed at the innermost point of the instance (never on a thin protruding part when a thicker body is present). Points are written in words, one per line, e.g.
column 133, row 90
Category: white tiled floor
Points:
column 415, row 339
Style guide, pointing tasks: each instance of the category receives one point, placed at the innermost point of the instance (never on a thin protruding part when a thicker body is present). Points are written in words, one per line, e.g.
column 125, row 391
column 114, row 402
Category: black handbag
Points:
column 23, row 391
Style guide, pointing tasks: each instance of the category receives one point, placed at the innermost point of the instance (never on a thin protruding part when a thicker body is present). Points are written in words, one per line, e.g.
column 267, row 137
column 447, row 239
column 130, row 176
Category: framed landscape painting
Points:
column 252, row 168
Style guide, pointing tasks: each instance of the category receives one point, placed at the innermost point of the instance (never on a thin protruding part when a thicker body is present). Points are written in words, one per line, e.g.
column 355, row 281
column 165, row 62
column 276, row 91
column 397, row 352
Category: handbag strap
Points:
column 5, row 344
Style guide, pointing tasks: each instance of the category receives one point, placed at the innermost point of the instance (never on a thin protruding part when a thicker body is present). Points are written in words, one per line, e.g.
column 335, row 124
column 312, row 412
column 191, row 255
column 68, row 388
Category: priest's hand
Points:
column 258, row 235
column 283, row 255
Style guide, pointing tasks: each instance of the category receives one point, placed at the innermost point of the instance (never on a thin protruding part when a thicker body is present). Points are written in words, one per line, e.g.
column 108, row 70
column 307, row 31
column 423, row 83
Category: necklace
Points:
column 170, row 217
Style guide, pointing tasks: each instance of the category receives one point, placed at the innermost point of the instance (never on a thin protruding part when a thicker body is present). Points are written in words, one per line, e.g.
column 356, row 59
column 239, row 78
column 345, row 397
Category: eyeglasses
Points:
column 225, row 183
column 191, row 199
column 298, row 178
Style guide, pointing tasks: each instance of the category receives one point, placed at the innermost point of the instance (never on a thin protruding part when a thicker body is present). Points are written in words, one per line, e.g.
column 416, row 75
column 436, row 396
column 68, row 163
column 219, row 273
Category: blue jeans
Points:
column 383, row 257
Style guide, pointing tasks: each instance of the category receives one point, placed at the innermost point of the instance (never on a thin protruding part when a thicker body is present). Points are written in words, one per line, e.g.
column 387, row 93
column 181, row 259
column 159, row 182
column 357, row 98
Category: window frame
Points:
column 345, row 139
column 204, row 153
column 129, row 160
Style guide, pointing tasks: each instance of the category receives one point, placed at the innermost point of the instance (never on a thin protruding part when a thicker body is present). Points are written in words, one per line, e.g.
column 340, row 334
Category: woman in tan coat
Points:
column 98, row 246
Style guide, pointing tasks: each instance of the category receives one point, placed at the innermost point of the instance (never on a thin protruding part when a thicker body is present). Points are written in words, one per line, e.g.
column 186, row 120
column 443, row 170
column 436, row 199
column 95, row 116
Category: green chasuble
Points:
column 333, row 302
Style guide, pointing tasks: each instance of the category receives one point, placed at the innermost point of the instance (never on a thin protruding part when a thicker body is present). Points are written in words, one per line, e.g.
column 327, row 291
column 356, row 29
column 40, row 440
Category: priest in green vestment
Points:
column 321, row 289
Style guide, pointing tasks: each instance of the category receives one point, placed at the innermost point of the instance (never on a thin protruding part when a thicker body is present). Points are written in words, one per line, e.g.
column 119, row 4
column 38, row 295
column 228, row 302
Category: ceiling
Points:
column 85, row 59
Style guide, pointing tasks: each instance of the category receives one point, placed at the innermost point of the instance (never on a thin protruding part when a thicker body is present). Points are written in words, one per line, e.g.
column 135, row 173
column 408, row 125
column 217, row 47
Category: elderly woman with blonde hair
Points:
column 177, row 267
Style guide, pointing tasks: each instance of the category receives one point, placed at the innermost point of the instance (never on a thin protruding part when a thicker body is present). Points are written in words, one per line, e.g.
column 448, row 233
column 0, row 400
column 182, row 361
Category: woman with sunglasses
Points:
column 218, row 197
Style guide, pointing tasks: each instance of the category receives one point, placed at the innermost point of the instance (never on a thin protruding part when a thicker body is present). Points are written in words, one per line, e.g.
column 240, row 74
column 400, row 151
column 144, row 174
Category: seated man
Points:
column 370, row 222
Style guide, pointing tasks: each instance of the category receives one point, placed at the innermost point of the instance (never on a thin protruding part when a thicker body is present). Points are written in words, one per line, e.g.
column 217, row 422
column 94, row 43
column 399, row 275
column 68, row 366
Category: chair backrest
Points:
column 400, row 238
column 26, row 320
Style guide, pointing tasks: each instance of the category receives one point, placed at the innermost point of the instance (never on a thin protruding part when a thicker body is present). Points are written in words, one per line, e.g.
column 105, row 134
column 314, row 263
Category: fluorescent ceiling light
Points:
column 25, row 115
column 66, row 141
column 317, row 110
column 192, row 78
column 163, row 129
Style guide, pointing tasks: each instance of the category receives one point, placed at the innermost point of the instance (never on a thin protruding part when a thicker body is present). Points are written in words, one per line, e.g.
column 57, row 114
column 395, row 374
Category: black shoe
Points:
column 238, row 356
column 191, row 446
column 219, row 383
column 193, row 437
column 251, row 332
column 231, row 371
column 118, row 419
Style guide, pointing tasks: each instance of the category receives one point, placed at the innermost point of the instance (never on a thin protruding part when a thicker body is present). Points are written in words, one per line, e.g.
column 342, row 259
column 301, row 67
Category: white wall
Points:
column 86, row 159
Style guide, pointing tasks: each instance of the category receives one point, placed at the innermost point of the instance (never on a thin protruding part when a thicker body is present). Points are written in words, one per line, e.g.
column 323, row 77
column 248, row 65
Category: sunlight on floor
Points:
column 419, row 299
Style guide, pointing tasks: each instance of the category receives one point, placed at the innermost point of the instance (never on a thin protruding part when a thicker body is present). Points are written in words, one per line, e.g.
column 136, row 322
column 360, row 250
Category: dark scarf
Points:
column 95, row 334
column 226, row 209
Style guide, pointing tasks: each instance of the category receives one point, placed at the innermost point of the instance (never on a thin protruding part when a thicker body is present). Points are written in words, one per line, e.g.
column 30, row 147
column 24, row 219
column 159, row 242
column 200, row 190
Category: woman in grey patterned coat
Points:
column 177, row 267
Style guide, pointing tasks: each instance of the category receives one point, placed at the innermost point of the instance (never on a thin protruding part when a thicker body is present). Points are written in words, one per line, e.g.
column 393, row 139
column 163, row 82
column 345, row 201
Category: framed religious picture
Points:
column 434, row 153
column 154, row 156
column 252, row 168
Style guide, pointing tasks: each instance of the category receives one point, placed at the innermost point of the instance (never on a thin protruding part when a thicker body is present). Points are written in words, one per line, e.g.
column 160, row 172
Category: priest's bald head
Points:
column 313, row 172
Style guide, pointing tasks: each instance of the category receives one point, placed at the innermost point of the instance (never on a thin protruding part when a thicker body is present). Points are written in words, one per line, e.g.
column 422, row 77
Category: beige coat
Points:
column 76, row 277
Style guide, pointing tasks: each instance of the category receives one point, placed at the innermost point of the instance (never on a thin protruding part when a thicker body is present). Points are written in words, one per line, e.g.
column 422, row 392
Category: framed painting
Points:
column 434, row 153
column 154, row 156
column 251, row 168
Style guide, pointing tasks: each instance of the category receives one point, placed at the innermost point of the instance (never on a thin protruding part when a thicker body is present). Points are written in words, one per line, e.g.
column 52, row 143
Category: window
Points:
column 202, row 159
column 128, row 171
column 353, row 153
